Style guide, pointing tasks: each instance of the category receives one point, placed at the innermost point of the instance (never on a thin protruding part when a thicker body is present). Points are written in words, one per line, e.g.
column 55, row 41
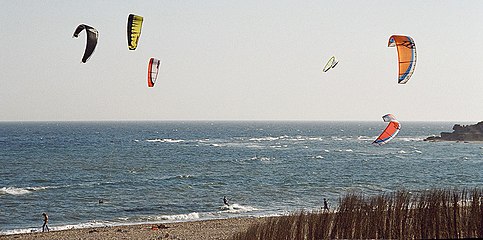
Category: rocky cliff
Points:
column 461, row 133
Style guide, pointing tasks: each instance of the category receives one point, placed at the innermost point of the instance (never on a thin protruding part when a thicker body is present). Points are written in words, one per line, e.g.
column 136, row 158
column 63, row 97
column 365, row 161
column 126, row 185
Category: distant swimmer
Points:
column 46, row 221
column 225, row 201
column 326, row 205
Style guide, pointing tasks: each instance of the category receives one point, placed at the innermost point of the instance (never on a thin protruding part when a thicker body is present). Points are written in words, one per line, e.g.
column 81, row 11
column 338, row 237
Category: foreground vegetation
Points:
column 401, row 215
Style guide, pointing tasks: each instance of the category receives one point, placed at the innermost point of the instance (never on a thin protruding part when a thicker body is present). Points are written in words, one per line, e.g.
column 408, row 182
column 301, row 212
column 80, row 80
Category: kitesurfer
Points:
column 46, row 221
column 225, row 201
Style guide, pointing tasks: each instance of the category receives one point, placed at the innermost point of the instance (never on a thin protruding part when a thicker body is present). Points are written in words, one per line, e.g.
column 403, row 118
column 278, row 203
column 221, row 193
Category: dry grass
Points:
column 430, row 214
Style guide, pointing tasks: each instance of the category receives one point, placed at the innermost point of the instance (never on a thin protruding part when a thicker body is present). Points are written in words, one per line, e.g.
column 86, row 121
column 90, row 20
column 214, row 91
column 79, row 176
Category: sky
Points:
column 241, row 60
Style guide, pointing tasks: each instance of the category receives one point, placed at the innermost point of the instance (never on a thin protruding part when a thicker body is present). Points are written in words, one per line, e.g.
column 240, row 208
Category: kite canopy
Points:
column 153, row 68
column 134, row 24
column 330, row 64
column 92, row 36
column 391, row 130
column 406, row 50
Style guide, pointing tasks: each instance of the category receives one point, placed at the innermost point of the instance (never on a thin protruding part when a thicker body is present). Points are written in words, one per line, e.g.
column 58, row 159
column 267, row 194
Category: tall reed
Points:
column 430, row 214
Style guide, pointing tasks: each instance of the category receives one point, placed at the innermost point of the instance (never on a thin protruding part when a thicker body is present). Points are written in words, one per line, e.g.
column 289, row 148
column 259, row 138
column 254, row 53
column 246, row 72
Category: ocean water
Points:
column 151, row 172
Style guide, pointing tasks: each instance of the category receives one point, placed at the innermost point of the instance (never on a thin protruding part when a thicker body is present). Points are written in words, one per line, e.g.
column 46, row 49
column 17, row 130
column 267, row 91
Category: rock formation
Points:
column 466, row 133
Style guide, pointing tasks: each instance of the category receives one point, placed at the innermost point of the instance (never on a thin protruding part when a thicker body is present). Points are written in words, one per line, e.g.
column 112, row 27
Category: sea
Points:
column 92, row 174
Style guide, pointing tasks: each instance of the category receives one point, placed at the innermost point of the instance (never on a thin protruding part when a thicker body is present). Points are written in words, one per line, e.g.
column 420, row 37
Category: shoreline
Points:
column 215, row 229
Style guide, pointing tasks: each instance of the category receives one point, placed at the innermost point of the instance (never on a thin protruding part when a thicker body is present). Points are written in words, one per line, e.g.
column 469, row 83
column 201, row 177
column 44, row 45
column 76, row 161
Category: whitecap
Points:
column 315, row 139
column 365, row 138
column 264, row 139
column 21, row 191
column 261, row 158
column 410, row 139
column 185, row 176
column 59, row 228
column 165, row 140
column 298, row 138
column 13, row 191
column 237, row 208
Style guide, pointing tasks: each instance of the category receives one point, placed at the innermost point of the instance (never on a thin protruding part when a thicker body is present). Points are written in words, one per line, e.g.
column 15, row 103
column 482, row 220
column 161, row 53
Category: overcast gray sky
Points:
column 241, row 60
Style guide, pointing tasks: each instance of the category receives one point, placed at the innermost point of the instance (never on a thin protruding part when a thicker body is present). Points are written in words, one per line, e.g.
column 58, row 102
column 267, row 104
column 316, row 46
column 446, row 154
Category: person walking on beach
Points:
column 46, row 221
column 225, row 201
column 326, row 205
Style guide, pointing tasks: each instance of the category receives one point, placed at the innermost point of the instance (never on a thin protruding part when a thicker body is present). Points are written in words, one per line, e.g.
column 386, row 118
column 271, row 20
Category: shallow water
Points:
column 180, row 171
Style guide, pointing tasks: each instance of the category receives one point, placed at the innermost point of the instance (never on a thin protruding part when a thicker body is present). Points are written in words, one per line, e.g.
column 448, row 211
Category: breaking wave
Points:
column 20, row 191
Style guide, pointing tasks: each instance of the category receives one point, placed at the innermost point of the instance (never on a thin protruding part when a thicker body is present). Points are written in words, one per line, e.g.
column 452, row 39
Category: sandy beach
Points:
column 208, row 229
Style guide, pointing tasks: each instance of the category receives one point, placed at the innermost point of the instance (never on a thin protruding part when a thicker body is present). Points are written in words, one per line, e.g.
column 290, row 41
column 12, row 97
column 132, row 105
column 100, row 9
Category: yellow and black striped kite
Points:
column 134, row 24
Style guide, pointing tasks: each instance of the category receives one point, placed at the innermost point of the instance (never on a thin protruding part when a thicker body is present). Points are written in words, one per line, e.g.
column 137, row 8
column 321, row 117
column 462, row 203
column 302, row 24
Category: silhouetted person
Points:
column 46, row 221
column 225, row 201
column 326, row 205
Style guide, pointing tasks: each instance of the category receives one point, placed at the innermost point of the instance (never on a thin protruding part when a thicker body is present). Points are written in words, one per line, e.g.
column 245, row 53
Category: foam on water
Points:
column 236, row 208
column 178, row 217
column 409, row 139
column 13, row 191
column 61, row 227
column 266, row 139
column 366, row 138
column 21, row 191
column 165, row 140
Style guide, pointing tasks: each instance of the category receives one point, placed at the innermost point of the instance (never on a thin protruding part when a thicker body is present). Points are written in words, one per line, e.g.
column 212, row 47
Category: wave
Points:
column 92, row 224
column 409, row 139
column 21, row 191
column 266, row 138
column 366, row 138
column 261, row 158
column 166, row 218
column 298, row 138
column 165, row 140
column 315, row 139
column 124, row 221
column 185, row 176
column 286, row 138
column 178, row 217
column 344, row 150
column 236, row 208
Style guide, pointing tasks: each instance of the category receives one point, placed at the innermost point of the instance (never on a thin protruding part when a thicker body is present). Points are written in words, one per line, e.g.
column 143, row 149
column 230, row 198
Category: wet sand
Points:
column 209, row 229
